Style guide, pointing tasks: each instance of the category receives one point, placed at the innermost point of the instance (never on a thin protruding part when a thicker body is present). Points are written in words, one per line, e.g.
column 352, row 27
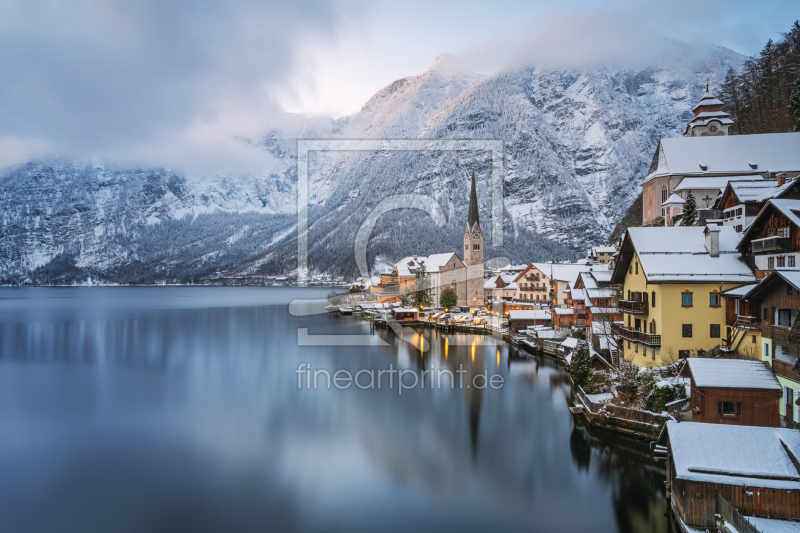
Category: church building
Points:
column 444, row 270
column 707, row 158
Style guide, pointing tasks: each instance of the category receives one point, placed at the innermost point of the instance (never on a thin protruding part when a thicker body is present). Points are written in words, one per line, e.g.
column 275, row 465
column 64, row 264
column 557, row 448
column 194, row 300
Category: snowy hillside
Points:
column 577, row 144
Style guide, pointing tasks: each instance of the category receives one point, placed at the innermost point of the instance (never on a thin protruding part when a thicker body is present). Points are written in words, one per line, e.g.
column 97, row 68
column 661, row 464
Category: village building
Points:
column 500, row 287
column 563, row 317
column 744, row 392
column 672, row 280
column 776, row 301
column 548, row 282
column 702, row 163
column 742, row 200
column 602, row 254
column 773, row 239
column 519, row 320
column 753, row 469
column 742, row 323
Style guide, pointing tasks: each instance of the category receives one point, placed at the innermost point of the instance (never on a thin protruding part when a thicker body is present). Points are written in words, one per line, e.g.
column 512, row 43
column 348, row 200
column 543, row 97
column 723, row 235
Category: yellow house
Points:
column 672, row 283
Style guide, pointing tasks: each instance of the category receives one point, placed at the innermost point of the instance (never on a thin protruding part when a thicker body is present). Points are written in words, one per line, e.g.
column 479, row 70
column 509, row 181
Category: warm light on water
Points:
column 178, row 409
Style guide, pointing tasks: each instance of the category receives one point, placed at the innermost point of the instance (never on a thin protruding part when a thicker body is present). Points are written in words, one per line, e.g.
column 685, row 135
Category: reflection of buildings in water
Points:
column 636, row 476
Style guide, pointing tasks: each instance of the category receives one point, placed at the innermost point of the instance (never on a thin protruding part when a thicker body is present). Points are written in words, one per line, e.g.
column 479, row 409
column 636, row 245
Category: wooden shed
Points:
column 741, row 392
column 519, row 320
column 754, row 468
column 405, row 313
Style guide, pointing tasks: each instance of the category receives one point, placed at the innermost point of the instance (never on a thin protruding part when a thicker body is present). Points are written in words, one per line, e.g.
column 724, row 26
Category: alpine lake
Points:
column 169, row 409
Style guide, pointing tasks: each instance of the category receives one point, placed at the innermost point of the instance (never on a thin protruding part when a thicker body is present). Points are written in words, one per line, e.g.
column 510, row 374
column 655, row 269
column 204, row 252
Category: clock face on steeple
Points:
column 712, row 128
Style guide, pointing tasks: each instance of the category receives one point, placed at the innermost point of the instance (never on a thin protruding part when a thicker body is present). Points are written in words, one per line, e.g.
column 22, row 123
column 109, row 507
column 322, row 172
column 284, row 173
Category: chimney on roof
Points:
column 712, row 239
column 781, row 178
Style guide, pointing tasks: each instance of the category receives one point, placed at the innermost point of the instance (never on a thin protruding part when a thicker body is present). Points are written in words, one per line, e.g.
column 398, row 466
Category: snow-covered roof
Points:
column 604, row 310
column 604, row 292
column 731, row 154
column 789, row 208
column 679, row 254
column 602, row 276
column 708, row 183
column 406, row 310
column 564, row 311
column 535, row 314
column 789, row 275
column 732, row 374
column 578, row 294
column 732, row 455
column 758, row 190
column 408, row 266
column 604, row 249
column 512, row 268
column 567, row 272
column 773, row 525
column 674, row 199
column 490, row 283
column 739, row 291
column 434, row 262
column 707, row 100
column 589, row 282
column 571, row 342
column 549, row 334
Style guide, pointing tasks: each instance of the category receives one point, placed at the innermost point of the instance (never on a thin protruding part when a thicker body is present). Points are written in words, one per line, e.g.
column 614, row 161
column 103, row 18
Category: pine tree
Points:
column 689, row 215
column 422, row 288
column 580, row 366
column 448, row 298
column 794, row 104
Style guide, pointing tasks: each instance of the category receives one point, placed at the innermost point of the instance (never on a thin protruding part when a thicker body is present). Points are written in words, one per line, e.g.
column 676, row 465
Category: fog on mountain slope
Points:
column 577, row 143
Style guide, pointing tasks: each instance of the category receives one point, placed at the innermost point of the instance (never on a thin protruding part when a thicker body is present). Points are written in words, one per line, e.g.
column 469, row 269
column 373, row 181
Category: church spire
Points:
column 473, row 205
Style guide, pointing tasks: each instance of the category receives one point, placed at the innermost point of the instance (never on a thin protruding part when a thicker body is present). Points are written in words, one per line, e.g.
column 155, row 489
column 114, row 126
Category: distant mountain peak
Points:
column 450, row 66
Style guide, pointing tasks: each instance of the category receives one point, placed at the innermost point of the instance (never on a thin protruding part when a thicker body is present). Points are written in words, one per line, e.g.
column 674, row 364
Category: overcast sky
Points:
column 178, row 82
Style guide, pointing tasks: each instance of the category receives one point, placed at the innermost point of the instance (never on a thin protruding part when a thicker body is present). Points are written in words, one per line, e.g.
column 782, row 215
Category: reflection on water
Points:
column 178, row 409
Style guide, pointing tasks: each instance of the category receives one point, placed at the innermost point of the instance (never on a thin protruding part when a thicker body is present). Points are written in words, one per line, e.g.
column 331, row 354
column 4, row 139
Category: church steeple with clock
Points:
column 709, row 119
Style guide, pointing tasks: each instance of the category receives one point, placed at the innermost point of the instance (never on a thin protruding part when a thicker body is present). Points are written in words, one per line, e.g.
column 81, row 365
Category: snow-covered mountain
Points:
column 577, row 143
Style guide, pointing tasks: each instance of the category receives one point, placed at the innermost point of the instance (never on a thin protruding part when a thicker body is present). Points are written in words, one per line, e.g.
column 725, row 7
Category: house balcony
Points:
column 633, row 307
column 637, row 336
column 552, row 294
column 780, row 334
column 771, row 244
column 532, row 277
column 534, row 289
column 784, row 369
column 748, row 323
column 582, row 323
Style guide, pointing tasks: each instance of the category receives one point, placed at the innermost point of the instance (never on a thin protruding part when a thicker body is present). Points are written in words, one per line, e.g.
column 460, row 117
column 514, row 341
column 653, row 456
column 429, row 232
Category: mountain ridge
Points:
column 577, row 142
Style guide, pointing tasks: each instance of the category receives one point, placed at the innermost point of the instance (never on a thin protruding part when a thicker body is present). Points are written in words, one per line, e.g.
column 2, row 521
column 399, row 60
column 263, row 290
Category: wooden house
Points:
column 519, row 320
column 773, row 239
column 755, row 469
column 733, row 391
column 563, row 317
column 742, row 200
column 776, row 303
column 742, row 323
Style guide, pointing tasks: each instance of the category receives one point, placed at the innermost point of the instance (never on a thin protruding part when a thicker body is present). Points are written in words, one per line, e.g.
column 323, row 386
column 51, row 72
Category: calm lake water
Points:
column 178, row 409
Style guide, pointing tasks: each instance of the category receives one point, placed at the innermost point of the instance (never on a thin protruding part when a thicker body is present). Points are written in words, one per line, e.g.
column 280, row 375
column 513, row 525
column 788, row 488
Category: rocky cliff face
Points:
column 577, row 143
